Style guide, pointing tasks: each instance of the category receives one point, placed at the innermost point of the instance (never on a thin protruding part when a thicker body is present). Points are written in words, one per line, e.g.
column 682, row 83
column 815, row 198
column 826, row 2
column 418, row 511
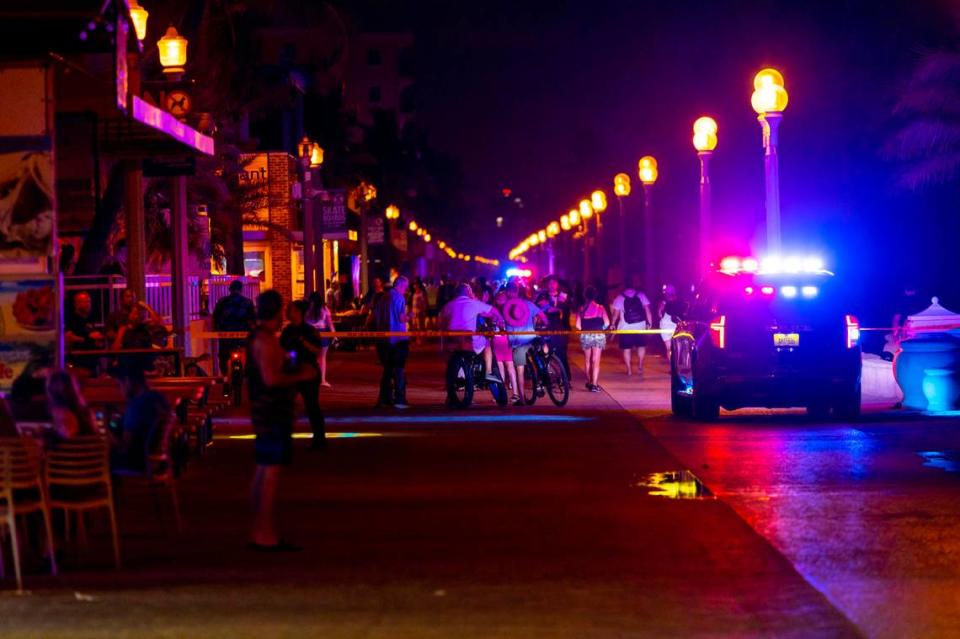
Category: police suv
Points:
column 775, row 334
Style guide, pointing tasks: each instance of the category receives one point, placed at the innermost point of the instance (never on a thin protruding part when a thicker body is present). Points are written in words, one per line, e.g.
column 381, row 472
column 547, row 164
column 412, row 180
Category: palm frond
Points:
column 933, row 169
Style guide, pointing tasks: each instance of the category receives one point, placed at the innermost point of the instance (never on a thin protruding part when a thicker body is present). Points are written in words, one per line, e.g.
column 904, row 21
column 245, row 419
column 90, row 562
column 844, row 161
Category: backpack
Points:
column 633, row 311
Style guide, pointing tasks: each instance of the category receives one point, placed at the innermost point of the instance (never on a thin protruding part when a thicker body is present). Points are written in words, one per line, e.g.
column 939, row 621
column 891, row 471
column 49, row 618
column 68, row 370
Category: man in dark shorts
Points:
column 271, row 387
column 631, row 312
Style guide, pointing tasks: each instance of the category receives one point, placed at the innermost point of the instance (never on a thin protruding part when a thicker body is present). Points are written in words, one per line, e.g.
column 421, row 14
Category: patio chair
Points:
column 22, row 492
column 78, row 480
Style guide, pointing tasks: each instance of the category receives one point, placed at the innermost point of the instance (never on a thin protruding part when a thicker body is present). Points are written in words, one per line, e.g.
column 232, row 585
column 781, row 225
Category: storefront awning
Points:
column 151, row 132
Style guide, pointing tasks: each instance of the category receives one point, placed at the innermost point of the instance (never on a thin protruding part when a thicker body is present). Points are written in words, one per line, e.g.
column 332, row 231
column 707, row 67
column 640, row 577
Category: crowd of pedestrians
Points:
column 509, row 313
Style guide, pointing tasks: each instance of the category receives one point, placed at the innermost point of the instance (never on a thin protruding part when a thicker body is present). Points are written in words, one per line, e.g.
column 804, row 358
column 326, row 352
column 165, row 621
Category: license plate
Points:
column 786, row 339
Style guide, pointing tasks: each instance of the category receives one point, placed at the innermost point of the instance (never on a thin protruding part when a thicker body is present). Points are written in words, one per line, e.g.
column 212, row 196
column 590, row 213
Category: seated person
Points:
column 144, row 423
column 136, row 333
column 80, row 332
column 120, row 317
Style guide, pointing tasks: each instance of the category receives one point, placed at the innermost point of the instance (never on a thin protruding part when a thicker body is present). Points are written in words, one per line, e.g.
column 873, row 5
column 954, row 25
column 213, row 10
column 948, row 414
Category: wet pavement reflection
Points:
column 866, row 512
column 680, row 484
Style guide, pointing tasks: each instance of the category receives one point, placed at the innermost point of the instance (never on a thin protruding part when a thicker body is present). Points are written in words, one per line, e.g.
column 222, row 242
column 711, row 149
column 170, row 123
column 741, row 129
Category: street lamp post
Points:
column 553, row 230
column 139, row 17
column 311, row 157
column 621, row 187
column 704, row 141
column 648, row 174
column 586, row 212
column 769, row 99
column 573, row 219
column 598, row 201
column 366, row 194
column 172, row 48
column 564, row 242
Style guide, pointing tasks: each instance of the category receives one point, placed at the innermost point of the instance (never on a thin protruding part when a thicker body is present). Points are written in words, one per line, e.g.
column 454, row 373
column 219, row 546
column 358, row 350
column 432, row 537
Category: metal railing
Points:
column 202, row 294
column 218, row 286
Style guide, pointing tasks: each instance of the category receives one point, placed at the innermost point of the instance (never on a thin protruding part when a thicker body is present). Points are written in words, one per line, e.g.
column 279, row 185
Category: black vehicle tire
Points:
column 706, row 408
column 680, row 405
column 529, row 383
column 558, row 386
column 459, row 381
column 847, row 408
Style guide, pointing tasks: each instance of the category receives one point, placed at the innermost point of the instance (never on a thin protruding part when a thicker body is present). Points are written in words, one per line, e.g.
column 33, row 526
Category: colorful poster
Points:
column 28, row 328
column 27, row 197
column 26, row 205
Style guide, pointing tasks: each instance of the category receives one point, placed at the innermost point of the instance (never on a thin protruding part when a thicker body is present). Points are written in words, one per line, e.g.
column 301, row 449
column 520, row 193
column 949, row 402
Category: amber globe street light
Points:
column 648, row 173
column 173, row 52
column 769, row 100
column 704, row 141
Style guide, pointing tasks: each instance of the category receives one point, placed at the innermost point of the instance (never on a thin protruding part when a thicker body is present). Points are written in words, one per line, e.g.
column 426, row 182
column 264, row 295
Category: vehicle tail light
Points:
column 718, row 331
column 853, row 331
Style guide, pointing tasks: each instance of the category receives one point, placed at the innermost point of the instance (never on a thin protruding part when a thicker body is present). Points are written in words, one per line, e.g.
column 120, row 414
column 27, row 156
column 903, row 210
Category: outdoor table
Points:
column 177, row 354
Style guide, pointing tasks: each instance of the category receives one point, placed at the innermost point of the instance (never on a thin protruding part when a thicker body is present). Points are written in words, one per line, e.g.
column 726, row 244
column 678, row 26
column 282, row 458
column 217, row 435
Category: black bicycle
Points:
column 466, row 374
column 544, row 374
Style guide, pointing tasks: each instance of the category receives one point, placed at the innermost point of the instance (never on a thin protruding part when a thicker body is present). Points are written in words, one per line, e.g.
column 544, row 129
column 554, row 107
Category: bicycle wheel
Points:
column 530, row 382
column 558, row 386
column 459, row 381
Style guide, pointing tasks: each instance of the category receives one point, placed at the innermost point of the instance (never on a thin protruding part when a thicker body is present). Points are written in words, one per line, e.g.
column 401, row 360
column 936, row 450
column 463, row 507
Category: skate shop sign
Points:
column 330, row 207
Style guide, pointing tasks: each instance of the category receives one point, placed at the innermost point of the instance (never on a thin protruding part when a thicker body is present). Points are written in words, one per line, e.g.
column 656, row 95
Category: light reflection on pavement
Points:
column 865, row 512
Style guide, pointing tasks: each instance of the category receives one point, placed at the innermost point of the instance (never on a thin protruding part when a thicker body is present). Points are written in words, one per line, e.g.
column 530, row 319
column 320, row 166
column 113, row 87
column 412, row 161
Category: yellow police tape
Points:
column 416, row 334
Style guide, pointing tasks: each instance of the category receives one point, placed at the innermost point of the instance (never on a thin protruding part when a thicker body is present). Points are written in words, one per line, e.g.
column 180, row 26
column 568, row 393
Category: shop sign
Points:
column 375, row 231
column 330, row 207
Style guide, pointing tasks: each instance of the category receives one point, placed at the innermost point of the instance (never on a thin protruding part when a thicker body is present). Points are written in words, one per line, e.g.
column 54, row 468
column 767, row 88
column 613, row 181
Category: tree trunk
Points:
column 94, row 252
column 235, row 253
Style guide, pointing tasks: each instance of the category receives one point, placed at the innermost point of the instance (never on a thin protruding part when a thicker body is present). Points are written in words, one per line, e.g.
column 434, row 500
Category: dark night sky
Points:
column 554, row 98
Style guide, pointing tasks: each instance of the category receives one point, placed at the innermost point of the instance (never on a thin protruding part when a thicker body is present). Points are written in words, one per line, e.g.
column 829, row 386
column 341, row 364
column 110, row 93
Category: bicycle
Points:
column 466, row 374
column 544, row 374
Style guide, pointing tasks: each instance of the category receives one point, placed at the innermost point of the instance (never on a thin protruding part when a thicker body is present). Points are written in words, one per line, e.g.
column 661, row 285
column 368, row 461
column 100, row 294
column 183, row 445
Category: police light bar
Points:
column 519, row 272
column 772, row 265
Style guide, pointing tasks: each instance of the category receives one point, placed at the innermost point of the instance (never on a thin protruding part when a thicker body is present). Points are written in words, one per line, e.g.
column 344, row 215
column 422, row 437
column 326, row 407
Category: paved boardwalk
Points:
column 483, row 523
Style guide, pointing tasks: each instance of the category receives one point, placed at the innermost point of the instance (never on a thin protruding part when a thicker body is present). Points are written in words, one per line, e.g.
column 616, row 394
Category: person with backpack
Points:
column 631, row 311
